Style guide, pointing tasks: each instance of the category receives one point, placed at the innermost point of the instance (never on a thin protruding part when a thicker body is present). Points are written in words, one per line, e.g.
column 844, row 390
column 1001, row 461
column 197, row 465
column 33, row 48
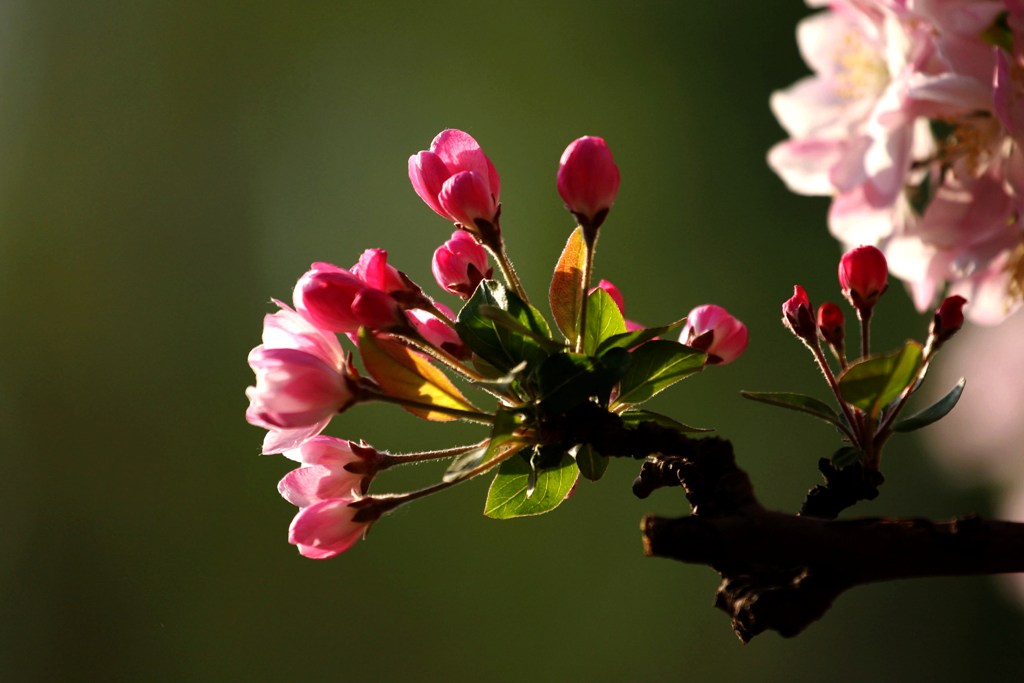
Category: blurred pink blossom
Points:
column 910, row 123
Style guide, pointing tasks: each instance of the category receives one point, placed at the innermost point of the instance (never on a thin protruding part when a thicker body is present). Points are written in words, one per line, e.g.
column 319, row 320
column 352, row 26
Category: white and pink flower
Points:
column 302, row 381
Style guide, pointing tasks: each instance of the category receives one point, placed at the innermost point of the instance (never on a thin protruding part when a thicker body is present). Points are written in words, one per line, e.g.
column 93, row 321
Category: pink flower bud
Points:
column 831, row 325
column 460, row 264
column 949, row 318
column 798, row 316
column 376, row 310
column 373, row 269
column 466, row 198
column 324, row 296
column 437, row 333
column 588, row 180
column 327, row 528
column 295, row 389
column 453, row 152
column 711, row 329
column 301, row 381
column 332, row 468
column 863, row 273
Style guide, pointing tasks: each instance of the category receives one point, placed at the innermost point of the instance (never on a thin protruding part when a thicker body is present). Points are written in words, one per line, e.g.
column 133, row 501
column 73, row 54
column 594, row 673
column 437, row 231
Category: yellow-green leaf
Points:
column 566, row 292
column 405, row 374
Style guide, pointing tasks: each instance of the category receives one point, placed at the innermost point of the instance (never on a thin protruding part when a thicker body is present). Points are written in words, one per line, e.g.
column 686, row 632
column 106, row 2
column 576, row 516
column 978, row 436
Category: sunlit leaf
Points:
column 933, row 413
column 873, row 383
column 628, row 340
column 566, row 292
column 499, row 345
column 507, row 497
column 405, row 374
column 604, row 320
column 798, row 402
column 565, row 380
column 655, row 366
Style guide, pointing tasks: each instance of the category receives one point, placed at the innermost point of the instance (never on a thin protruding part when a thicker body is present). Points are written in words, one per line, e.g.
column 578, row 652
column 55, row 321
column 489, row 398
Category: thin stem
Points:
column 864, row 317
column 392, row 459
column 830, row 377
column 508, row 270
column 386, row 502
column 589, row 245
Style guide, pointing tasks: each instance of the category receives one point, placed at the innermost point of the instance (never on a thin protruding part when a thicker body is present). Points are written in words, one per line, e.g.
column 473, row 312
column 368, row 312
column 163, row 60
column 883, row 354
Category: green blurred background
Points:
column 167, row 167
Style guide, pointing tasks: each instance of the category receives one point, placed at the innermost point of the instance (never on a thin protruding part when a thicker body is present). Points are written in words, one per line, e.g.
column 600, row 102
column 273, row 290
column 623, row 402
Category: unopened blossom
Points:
column 831, row 325
column 460, row 264
column 301, row 381
column 327, row 528
column 711, row 329
column 798, row 316
column 373, row 269
column 948, row 319
column 331, row 468
column 471, row 197
column 337, row 300
column 863, row 276
column 437, row 332
column 588, row 180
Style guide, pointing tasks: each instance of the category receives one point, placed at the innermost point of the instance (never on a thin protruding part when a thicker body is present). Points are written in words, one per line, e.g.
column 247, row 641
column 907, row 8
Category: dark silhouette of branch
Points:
column 783, row 571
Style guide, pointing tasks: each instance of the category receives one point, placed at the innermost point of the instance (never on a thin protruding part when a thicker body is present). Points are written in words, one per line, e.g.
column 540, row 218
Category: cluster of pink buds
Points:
column 870, row 390
column 410, row 351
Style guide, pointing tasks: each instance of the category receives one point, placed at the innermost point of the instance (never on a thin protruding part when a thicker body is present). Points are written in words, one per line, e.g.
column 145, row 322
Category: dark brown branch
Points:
column 782, row 571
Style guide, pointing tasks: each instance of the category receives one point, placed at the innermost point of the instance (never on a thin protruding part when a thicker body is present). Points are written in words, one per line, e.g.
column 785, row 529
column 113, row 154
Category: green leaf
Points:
column 628, row 340
column 566, row 380
column 566, row 292
column 933, row 413
column 604, row 320
column 405, row 374
column 873, row 383
column 798, row 402
column 847, row 455
column 507, row 497
column 655, row 366
column 592, row 464
column 497, row 344
column 635, row 417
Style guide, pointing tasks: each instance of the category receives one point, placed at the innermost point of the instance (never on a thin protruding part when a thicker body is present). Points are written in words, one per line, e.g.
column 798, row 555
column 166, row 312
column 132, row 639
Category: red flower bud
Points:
column 830, row 325
column 863, row 275
column 949, row 318
column 798, row 316
column 588, row 180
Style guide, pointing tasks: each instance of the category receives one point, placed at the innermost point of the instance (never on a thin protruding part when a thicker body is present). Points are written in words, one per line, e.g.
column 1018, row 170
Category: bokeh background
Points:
column 168, row 167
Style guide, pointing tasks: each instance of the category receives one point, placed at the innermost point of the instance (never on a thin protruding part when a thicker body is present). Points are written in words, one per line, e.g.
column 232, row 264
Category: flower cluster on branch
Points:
column 411, row 350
